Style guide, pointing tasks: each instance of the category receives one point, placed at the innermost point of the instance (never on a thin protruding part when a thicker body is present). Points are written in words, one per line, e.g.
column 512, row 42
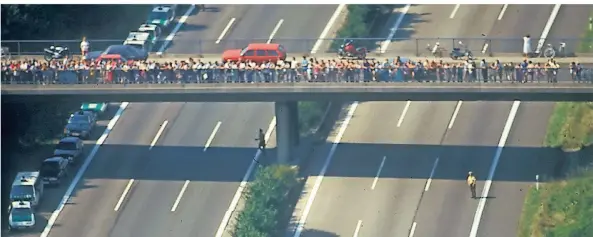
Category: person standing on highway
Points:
column 526, row 46
column 261, row 137
column 471, row 182
column 84, row 47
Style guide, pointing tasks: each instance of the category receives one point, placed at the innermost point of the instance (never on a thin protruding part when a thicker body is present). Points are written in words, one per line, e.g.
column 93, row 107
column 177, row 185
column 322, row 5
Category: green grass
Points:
column 570, row 126
column 310, row 115
column 560, row 208
column 587, row 43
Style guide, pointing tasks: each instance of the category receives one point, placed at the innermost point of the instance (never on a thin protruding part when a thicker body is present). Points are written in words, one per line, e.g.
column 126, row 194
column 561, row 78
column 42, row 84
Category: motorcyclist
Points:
column 471, row 182
column 57, row 50
column 349, row 46
column 262, row 140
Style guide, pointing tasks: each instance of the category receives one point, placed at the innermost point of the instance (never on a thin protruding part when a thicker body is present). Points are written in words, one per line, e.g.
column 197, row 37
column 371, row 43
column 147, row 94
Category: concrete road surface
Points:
column 400, row 168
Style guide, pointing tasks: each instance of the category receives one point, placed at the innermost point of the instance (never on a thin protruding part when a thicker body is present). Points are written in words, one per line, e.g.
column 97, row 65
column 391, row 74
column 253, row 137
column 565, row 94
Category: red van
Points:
column 256, row 52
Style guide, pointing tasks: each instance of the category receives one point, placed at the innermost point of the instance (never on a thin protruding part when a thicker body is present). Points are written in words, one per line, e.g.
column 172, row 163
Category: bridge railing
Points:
column 401, row 46
column 356, row 75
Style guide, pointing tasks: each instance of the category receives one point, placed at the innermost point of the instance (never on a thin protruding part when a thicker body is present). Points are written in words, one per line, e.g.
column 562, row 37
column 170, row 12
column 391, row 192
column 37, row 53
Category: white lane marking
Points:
column 488, row 183
column 158, row 134
column 395, row 27
column 412, row 230
column 235, row 200
column 457, row 107
column 179, row 196
column 325, row 31
column 276, row 28
column 225, row 30
column 429, row 181
column 212, row 135
column 123, row 195
column 378, row 173
column 358, row 225
column 454, row 11
column 501, row 14
column 401, row 117
column 328, row 159
column 177, row 27
column 80, row 173
column 547, row 28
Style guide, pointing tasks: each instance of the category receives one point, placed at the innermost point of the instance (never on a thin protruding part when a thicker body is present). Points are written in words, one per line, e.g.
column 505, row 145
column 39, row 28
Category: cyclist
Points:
column 262, row 140
column 471, row 182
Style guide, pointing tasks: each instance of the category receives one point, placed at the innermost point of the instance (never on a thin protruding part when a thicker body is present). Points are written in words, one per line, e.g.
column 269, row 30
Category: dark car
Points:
column 79, row 125
column 53, row 170
column 124, row 52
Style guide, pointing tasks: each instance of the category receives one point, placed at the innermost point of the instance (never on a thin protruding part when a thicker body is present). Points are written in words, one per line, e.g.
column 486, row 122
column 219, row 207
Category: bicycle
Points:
column 550, row 51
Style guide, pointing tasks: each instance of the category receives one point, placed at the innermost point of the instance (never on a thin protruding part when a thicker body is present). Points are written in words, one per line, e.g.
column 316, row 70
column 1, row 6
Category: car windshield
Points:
column 244, row 50
column 21, row 214
column 79, row 119
column 66, row 146
column 49, row 168
column 21, row 192
column 158, row 15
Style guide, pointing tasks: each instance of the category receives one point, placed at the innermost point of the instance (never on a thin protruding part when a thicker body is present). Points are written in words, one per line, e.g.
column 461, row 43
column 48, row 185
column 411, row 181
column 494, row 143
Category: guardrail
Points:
column 404, row 46
column 391, row 74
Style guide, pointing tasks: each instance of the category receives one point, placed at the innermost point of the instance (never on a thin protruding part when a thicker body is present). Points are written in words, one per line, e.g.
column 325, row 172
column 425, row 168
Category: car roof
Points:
column 263, row 46
column 54, row 159
column 144, row 27
column 70, row 139
column 161, row 9
column 20, row 204
column 135, row 42
column 138, row 35
column 29, row 178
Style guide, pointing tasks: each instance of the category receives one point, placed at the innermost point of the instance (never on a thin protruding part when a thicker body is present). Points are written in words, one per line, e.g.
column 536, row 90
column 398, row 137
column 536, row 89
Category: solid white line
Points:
column 80, row 173
column 429, row 181
column 275, row 30
column 547, row 28
column 358, row 225
column 378, row 173
column 457, row 107
column 504, row 8
column 401, row 117
column 158, row 134
column 224, row 31
column 235, row 200
column 395, row 27
column 212, row 135
column 412, row 230
column 179, row 196
column 325, row 31
column 328, row 159
column 488, row 183
column 454, row 11
column 123, row 195
column 177, row 28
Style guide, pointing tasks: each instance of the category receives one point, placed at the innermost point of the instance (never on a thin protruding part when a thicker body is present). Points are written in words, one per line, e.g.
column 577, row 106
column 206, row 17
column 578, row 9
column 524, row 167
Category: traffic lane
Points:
column 219, row 171
column 522, row 159
column 411, row 156
column 469, row 145
column 428, row 24
column 570, row 26
column 164, row 169
column 389, row 207
column 518, row 21
column 107, row 175
column 302, row 26
column 202, row 28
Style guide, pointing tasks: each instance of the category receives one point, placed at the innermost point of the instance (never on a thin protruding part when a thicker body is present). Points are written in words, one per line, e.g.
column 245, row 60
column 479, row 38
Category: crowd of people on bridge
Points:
column 291, row 70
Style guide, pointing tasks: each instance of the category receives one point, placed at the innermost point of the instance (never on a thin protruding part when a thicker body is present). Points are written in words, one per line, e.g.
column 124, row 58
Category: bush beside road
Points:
column 564, row 207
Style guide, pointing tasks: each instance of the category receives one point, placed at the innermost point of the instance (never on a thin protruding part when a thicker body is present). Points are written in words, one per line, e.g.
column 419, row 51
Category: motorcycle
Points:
column 347, row 49
column 458, row 53
column 56, row 52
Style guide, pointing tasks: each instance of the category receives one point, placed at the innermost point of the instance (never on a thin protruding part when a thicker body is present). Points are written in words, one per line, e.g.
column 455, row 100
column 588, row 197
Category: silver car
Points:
column 70, row 148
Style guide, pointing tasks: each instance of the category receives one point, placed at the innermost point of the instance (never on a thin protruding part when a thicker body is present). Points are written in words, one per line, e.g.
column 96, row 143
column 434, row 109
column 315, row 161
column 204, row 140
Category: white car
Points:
column 21, row 215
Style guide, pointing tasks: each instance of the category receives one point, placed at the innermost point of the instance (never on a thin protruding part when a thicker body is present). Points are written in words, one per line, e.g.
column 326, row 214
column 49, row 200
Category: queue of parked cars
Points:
column 28, row 186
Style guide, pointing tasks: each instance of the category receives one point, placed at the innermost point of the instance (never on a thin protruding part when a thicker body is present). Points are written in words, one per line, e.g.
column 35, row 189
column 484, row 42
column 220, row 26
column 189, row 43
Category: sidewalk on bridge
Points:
column 504, row 58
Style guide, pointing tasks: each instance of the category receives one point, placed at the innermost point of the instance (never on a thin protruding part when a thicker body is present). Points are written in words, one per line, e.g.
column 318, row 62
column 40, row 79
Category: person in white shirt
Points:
column 84, row 47
column 526, row 46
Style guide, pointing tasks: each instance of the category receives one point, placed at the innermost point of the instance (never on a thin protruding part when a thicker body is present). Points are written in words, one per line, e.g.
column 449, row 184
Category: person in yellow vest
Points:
column 471, row 182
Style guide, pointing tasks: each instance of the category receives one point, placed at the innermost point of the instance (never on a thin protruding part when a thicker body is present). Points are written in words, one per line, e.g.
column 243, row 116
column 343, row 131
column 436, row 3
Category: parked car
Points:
column 141, row 40
column 97, row 108
column 153, row 29
column 256, row 52
column 53, row 170
column 80, row 124
column 21, row 215
column 70, row 148
column 119, row 52
column 161, row 15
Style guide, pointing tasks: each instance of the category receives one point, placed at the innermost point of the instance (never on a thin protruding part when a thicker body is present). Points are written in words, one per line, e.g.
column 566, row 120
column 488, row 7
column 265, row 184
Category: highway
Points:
column 400, row 168
column 153, row 176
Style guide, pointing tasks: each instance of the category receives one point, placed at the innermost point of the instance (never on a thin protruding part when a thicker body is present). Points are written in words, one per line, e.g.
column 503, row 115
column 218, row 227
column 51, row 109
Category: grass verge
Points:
column 310, row 115
column 563, row 207
column 587, row 43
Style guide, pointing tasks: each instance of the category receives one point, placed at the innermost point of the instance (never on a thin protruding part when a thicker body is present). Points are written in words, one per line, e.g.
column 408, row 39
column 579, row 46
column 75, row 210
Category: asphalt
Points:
column 161, row 172
column 445, row 209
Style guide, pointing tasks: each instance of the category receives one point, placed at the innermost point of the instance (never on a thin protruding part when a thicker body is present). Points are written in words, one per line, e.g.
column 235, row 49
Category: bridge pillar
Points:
column 287, row 129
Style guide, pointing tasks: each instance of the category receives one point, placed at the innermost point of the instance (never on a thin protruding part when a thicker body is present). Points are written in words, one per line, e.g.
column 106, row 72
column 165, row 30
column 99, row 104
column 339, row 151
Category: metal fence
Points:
column 392, row 74
column 401, row 46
